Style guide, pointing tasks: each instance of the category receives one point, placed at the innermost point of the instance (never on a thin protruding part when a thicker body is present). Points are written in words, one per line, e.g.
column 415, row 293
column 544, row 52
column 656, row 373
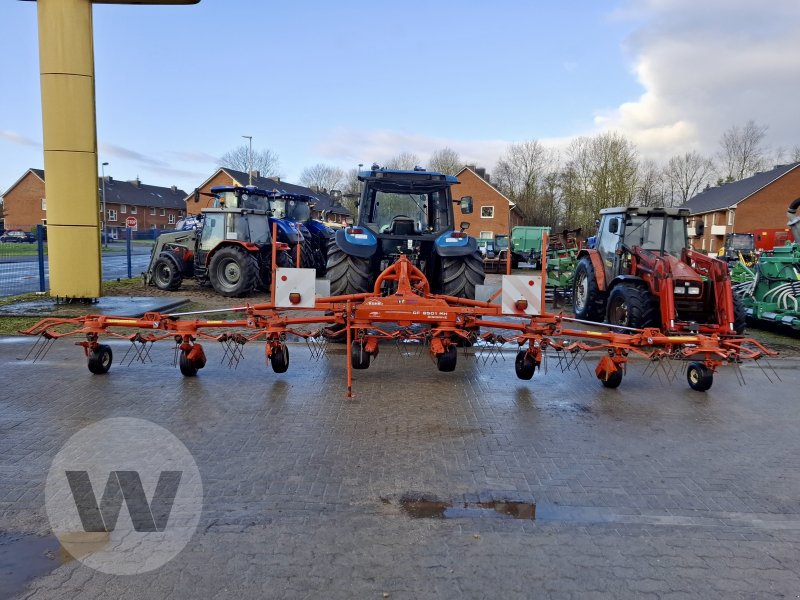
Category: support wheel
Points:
column 233, row 272
column 166, row 274
column 187, row 366
column 587, row 299
column 359, row 359
column 100, row 359
column 460, row 275
column 280, row 359
column 613, row 380
column 699, row 377
column 347, row 274
column 446, row 361
column 632, row 306
column 524, row 365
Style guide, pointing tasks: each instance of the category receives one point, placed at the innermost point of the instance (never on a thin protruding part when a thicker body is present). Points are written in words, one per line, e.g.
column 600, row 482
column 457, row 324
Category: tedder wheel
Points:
column 632, row 306
column 446, row 361
column 587, row 299
column 100, row 359
column 347, row 274
column 233, row 272
column 613, row 380
column 280, row 359
column 358, row 358
column 460, row 275
column 524, row 365
column 188, row 368
column 166, row 274
column 699, row 377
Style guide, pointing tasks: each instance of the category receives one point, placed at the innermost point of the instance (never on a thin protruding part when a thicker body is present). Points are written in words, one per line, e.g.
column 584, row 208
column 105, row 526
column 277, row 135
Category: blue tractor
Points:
column 292, row 212
column 410, row 213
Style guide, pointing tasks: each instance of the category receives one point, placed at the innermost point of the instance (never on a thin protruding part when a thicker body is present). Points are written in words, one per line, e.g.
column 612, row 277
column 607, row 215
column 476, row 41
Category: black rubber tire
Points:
column 320, row 242
column 166, row 274
column 187, row 367
column 100, row 360
column 613, row 380
column 524, row 366
column 588, row 302
column 739, row 315
column 460, row 275
column 446, row 361
column 700, row 378
column 358, row 358
column 347, row 274
column 233, row 272
column 632, row 306
column 279, row 361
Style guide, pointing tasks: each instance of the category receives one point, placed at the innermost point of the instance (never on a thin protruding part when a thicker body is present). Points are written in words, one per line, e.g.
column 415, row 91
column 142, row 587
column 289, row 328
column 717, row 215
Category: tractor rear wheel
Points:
column 446, row 361
column 524, row 365
column 166, row 274
column 279, row 360
column 233, row 272
column 460, row 275
column 739, row 315
column 100, row 359
column 699, row 377
column 587, row 299
column 347, row 274
column 632, row 306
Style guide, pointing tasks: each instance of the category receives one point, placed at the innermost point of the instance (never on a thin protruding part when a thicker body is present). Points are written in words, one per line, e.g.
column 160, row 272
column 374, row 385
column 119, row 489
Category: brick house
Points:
column 321, row 202
column 492, row 210
column 746, row 206
column 153, row 207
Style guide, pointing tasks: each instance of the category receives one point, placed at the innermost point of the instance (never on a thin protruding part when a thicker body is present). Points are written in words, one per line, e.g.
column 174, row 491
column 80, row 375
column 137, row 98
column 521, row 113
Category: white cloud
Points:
column 16, row 138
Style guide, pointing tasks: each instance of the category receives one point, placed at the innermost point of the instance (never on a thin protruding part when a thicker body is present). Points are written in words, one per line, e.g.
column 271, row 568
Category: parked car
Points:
column 17, row 237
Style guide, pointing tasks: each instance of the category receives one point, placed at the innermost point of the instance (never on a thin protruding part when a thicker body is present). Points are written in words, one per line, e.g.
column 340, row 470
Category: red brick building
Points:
column 149, row 206
column 750, row 205
column 492, row 210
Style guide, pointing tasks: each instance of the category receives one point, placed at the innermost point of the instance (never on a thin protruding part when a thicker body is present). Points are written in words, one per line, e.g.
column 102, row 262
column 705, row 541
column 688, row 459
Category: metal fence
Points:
column 24, row 267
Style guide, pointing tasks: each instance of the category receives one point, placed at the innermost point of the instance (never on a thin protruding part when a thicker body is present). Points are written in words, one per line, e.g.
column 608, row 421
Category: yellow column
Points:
column 66, row 63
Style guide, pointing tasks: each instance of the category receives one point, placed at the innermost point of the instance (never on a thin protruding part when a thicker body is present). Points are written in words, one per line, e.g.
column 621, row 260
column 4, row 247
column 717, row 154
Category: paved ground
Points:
column 648, row 491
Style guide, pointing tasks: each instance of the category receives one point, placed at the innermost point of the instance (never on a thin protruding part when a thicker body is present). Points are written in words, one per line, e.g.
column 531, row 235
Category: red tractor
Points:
column 642, row 273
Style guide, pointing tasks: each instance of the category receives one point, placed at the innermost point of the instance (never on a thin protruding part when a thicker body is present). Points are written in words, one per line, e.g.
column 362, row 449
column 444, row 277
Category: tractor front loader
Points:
column 642, row 273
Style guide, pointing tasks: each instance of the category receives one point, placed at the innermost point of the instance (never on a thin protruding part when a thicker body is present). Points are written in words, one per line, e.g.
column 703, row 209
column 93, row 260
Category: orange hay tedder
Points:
column 411, row 315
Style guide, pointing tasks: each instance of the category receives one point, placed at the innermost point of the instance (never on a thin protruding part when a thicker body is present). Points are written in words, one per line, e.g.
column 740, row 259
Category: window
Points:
column 180, row 213
column 705, row 220
column 704, row 244
column 487, row 235
column 133, row 210
column 171, row 219
column 123, row 208
column 152, row 210
column 730, row 217
column 44, row 203
column 112, row 214
column 163, row 212
column 487, row 212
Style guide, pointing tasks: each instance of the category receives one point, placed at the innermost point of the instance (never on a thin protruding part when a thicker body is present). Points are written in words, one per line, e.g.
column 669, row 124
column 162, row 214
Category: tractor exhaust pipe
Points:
column 794, row 219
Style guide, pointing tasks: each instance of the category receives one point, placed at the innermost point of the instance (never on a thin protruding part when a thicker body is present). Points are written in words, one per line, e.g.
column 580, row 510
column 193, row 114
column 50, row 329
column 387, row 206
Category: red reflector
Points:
column 355, row 230
column 521, row 304
column 294, row 298
column 284, row 278
column 283, row 246
column 459, row 234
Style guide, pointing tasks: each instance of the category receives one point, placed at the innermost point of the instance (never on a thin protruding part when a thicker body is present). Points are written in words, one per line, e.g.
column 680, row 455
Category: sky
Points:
column 352, row 82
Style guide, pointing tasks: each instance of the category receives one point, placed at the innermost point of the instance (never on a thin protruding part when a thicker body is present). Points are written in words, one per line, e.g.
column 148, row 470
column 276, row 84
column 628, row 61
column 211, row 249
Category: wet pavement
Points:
column 122, row 306
column 468, row 484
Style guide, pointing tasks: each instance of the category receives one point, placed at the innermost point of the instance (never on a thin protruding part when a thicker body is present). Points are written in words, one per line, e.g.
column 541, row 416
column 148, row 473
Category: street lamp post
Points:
column 105, row 233
column 250, row 160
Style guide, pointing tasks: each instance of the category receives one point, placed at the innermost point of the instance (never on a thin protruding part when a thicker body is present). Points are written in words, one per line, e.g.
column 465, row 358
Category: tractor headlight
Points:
column 680, row 290
column 693, row 291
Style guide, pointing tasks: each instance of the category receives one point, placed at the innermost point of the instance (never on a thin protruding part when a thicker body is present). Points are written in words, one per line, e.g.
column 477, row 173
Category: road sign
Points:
column 131, row 222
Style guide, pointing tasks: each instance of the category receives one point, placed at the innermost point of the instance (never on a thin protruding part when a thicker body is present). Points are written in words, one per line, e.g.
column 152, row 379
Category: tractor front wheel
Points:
column 461, row 274
column 100, row 359
column 587, row 299
column 739, row 315
column 166, row 274
column 233, row 272
column 347, row 274
column 524, row 365
column 699, row 377
column 279, row 360
column 446, row 361
column 632, row 306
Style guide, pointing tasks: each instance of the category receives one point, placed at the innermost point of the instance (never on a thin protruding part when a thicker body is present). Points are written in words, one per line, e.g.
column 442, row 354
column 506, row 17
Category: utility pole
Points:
column 105, row 232
column 250, row 160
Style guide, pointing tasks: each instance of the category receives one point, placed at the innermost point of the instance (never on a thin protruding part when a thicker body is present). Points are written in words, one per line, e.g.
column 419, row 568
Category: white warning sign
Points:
column 295, row 288
column 522, row 294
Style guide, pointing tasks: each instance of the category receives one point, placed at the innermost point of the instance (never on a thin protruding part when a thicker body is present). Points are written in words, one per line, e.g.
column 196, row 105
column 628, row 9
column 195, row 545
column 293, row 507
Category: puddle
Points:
column 434, row 509
column 24, row 557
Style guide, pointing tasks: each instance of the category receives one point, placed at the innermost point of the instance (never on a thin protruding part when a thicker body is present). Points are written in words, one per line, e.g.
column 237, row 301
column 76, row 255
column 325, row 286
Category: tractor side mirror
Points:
column 464, row 225
column 699, row 228
column 197, row 194
column 613, row 226
column 466, row 205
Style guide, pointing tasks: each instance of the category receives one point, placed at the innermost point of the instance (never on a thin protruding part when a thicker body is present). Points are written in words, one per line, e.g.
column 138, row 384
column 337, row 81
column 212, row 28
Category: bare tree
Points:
column 266, row 162
column 351, row 189
column 446, row 161
column 652, row 190
column 741, row 151
column 686, row 174
column 519, row 174
column 404, row 160
column 324, row 177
